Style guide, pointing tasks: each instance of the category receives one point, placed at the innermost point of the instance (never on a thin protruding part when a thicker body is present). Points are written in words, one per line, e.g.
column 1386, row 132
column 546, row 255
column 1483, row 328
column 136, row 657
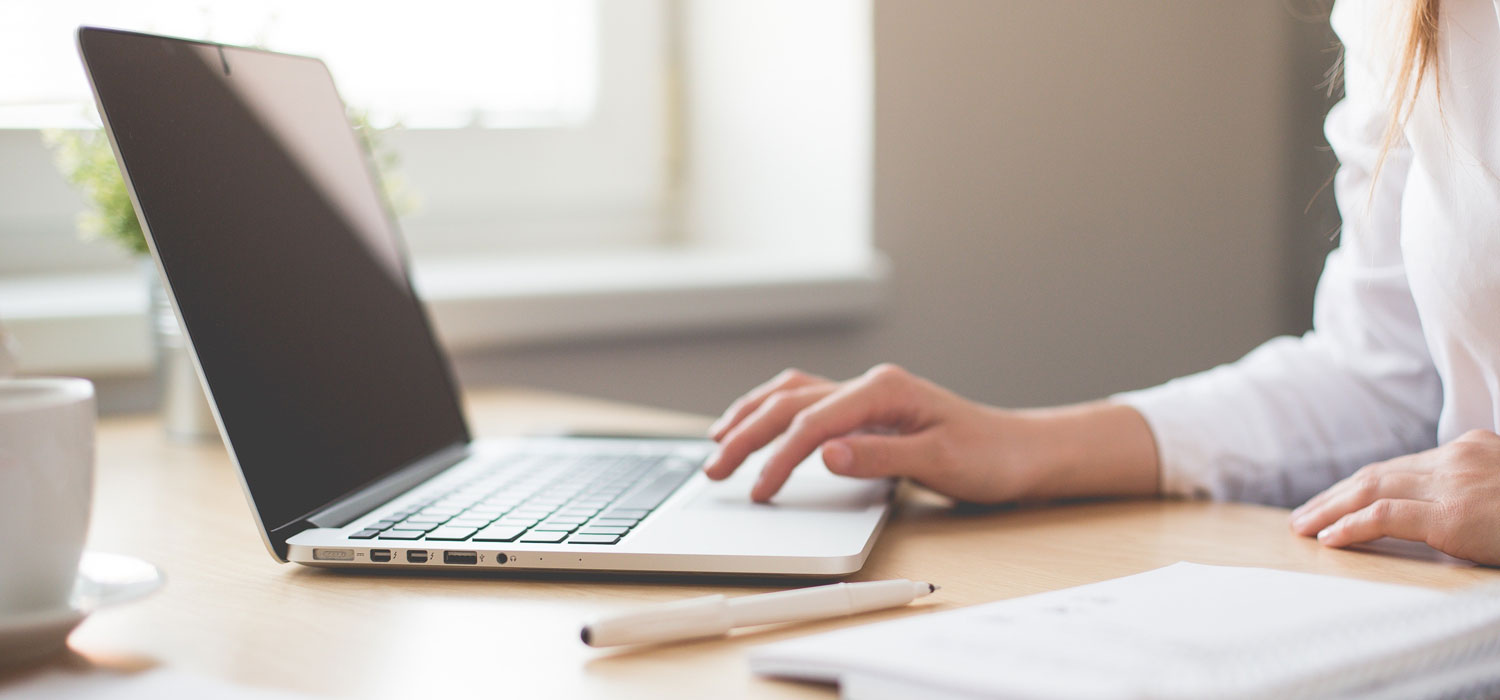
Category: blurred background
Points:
column 667, row 201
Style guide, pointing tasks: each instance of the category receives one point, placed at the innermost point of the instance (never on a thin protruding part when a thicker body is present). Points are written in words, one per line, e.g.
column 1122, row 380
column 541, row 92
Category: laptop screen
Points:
column 287, row 269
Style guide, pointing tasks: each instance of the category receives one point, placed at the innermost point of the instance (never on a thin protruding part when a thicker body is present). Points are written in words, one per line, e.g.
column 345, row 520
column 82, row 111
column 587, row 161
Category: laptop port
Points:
column 460, row 557
column 416, row 556
column 380, row 555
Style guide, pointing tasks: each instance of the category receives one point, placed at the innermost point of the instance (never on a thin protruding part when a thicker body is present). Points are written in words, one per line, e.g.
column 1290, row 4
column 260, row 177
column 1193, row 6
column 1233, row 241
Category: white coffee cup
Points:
column 46, row 485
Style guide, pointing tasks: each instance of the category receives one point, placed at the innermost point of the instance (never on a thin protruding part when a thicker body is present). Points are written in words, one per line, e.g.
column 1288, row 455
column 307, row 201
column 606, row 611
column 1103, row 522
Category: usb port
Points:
column 381, row 555
column 416, row 556
column 460, row 557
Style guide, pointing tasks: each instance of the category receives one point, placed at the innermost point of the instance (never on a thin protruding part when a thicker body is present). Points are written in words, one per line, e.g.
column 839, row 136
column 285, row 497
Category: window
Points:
column 524, row 124
column 492, row 64
column 712, row 158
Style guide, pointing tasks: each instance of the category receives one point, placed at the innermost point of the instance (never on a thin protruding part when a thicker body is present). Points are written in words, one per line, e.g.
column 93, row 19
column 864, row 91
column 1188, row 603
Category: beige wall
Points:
column 1077, row 198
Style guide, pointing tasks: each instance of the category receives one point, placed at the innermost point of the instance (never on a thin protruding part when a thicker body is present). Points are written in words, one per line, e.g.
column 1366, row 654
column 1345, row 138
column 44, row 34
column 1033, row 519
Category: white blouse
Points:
column 1405, row 348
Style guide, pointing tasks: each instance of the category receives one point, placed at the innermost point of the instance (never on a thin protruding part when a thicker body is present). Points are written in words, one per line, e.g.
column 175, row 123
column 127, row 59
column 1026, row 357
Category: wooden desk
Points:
column 230, row 611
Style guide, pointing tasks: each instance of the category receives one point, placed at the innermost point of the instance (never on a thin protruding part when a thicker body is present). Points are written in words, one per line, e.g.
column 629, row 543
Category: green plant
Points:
column 85, row 158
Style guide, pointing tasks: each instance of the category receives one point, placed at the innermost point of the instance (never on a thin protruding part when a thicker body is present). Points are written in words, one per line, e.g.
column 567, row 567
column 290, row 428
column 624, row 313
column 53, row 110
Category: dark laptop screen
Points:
column 288, row 271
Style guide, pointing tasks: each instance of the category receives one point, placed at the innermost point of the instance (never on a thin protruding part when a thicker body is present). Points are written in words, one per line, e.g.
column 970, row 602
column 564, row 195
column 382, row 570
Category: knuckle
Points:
column 1463, row 451
column 886, row 372
column 1381, row 511
column 1367, row 487
column 791, row 375
column 1456, row 511
column 1479, row 435
column 801, row 424
column 777, row 403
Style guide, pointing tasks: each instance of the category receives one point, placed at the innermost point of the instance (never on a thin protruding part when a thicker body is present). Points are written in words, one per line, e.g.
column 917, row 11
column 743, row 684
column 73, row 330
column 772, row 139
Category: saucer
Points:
column 103, row 580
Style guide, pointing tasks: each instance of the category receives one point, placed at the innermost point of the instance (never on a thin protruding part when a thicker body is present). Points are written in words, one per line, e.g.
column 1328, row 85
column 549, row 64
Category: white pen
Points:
column 713, row 615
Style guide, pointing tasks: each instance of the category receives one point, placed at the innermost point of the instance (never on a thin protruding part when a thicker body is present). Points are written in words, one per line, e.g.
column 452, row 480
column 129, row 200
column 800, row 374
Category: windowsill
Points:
column 95, row 325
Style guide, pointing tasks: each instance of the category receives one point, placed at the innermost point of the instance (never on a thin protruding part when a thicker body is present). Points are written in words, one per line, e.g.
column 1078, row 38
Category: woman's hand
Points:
column 888, row 422
column 1448, row 497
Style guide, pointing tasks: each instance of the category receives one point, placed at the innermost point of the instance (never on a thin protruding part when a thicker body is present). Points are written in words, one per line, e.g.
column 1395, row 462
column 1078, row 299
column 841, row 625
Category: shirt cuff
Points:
column 1183, row 461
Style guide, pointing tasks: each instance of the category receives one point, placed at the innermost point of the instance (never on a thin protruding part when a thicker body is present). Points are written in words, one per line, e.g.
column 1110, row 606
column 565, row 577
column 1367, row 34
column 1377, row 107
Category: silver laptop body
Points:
column 337, row 404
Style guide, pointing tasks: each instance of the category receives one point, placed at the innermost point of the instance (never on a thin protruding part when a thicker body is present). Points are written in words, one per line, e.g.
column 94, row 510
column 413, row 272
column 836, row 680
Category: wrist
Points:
column 1085, row 450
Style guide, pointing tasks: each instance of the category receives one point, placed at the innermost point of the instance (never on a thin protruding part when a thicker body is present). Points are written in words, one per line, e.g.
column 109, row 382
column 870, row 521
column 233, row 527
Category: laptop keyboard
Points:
column 576, row 498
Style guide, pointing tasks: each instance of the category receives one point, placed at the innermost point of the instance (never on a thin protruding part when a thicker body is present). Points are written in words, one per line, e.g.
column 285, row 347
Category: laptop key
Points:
column 455, row 534
column 574, row 519
column 560, row 527
column 428, row 518
column 365, row 534
column 653, row 493
column 616, row 522
column 636, row 513
column 548, row 536
column 603, row 530
column 593, row 539
column 498, row 533
column 402, row 534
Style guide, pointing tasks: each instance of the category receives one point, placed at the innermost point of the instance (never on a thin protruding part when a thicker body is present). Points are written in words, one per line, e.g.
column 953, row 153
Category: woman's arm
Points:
column 889, row 422
column 1280, row 425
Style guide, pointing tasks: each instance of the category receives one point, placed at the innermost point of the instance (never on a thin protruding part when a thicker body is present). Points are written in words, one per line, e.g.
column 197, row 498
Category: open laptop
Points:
column 329, row 388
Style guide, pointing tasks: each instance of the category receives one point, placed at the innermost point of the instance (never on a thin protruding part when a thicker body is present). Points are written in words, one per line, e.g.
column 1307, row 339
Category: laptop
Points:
column 330, row 390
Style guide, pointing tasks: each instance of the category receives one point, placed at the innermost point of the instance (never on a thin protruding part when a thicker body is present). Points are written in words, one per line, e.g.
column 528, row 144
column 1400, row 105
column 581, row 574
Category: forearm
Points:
column 1086, row 450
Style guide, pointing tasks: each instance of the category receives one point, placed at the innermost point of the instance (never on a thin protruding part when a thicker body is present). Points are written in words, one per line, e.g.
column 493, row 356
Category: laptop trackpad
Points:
column 811, row 488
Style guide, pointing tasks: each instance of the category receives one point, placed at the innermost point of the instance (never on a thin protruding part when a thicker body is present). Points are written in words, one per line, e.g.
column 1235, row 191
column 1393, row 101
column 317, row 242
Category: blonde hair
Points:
column 1419, row 43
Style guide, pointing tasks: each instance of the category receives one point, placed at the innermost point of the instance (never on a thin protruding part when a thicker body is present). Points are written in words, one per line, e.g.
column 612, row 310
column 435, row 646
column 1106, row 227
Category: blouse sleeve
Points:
column 1297, row 414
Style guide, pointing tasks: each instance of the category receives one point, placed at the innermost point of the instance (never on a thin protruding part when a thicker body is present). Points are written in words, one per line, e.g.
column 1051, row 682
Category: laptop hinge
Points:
column 344, row 510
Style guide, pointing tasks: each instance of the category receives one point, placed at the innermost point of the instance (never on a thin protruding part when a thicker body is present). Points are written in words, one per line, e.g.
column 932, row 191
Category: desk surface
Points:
column 232, row 612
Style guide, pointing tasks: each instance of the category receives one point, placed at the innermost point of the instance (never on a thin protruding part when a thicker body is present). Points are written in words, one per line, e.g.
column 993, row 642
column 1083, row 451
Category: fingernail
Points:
column 1298, row 522
column 713, row 459
column 716, row 427
column 1326, row 534
column 838, row 457
column 759, row 488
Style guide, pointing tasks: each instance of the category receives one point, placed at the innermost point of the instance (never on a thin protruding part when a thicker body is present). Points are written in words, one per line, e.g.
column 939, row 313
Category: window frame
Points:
column 602, row 183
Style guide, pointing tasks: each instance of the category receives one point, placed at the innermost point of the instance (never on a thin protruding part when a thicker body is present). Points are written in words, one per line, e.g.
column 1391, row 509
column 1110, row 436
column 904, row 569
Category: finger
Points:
column 747, row 404
column 1387, row 517
column 761, row 427
column 878, row 398
column 1355, row 493
column 875, row 456
column 1413, row 463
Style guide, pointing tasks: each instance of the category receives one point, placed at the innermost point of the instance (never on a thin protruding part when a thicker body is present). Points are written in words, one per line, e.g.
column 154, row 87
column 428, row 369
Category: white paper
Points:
column 1186, row 630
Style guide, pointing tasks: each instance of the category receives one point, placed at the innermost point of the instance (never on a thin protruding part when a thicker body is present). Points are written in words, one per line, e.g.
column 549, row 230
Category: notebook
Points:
column 1181, row 631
